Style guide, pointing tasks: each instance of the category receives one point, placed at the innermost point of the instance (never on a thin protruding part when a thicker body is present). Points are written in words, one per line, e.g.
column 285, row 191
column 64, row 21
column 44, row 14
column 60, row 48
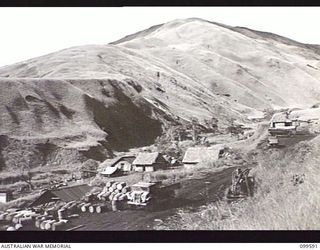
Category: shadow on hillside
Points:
column 126, row 124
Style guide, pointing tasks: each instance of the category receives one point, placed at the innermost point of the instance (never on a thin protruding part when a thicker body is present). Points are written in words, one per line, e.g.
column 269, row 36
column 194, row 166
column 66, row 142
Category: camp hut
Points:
column 282, row 124
column 124, row 163
column 66, row 194
column 196, row 155
column 281, row 120
column 149, row 162
column 117, row 165
column 5, row 196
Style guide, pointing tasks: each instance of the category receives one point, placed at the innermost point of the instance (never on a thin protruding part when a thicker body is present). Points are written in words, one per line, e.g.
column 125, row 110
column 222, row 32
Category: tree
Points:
column 176, row 133
column 20, row 159
column 195, row 132
column 90, row 165
column 211, row 124
column 235, row 129
column 168, row 146
column 26, row 173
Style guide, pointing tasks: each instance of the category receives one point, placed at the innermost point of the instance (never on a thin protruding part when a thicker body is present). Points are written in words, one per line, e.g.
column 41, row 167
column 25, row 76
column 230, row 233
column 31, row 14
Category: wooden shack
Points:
column 149, row 162
column 196, row 155
column 281, row 120
column 118, row 165
column 66, row 194
column 282, row 124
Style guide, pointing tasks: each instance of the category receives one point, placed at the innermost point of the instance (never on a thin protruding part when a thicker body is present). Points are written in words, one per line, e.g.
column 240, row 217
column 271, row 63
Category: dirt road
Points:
column 193, row 193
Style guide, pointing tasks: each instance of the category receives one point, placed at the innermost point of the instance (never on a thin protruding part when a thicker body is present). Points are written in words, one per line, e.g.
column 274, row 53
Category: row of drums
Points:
column 114, row 191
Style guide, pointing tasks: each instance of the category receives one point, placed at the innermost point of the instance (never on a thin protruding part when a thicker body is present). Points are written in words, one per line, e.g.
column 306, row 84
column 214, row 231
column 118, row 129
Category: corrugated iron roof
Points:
column 146, row 158
column 198, row 154
column 109, row 170
column 71, row 193
column 111, row 162
column 66, row 194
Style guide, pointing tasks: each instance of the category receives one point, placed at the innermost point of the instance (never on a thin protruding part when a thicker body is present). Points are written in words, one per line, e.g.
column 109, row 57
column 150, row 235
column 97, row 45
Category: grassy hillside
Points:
column 254, row 68
column 279, row 203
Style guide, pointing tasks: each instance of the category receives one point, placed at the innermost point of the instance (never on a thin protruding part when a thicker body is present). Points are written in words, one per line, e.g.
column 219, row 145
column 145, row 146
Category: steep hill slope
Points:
column 42, row 120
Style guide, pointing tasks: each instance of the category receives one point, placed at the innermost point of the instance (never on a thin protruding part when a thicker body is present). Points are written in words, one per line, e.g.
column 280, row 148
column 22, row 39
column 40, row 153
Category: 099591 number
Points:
column 309, row 246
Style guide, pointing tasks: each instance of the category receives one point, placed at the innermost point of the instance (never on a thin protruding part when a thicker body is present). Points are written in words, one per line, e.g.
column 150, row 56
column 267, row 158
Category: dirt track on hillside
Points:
column 193, row 193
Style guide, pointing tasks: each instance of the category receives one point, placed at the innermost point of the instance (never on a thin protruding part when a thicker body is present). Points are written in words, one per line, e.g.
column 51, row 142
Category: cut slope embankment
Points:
column 43, row 118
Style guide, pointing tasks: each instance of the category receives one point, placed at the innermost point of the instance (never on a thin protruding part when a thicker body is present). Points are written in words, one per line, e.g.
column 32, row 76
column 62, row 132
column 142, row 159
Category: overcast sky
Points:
column 31, row 32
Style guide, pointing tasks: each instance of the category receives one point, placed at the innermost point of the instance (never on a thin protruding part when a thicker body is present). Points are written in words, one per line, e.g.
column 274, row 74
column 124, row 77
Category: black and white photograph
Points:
column 159, row 119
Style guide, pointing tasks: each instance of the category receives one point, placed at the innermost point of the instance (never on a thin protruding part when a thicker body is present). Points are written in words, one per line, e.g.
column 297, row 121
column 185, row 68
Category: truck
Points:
column 149, row 194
